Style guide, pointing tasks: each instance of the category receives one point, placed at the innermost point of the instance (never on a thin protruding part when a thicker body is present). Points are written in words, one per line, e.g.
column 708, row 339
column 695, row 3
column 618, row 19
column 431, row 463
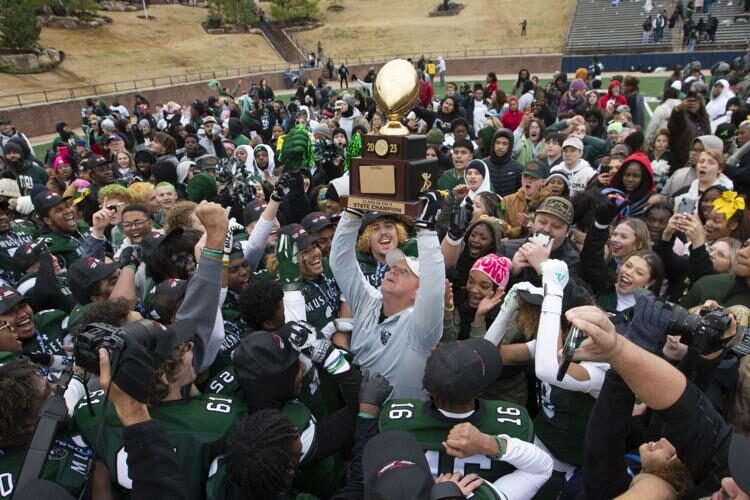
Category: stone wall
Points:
column 40, row 119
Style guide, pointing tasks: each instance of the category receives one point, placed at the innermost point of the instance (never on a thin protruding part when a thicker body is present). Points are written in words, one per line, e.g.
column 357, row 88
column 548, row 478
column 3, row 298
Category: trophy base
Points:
column 394, row 128
column 408, row 208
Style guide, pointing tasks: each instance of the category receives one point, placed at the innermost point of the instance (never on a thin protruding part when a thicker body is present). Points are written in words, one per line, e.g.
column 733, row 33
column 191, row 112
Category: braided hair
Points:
column 260, row 458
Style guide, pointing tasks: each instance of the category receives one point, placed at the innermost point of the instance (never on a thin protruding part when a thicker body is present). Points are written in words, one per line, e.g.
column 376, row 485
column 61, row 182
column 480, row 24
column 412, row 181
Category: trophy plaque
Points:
column 393, row 170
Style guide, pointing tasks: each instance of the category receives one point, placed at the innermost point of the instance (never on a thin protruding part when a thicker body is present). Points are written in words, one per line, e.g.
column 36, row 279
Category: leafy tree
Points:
column 235, row 12
column 294, row 11
column 19, row 28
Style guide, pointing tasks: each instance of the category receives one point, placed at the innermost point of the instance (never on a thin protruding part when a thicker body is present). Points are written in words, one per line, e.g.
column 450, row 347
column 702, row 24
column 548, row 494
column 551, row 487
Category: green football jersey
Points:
column 196, row 428
column 322, row 298
column 49, row 332
column 561, row 423
column 431, row 428
column 9, row 243
column 66, row 247
column 68, row 465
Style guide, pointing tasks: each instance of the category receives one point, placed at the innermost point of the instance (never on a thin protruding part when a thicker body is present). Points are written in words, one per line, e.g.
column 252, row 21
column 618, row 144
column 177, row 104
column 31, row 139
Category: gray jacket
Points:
column 397, row 346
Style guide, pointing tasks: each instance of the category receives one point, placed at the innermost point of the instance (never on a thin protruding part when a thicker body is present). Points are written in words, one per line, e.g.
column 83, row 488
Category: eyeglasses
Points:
column 134, row 224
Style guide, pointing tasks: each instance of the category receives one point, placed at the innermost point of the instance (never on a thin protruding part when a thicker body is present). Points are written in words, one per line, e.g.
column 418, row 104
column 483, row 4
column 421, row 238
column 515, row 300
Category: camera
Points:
column 114, row 339
column 703, row 333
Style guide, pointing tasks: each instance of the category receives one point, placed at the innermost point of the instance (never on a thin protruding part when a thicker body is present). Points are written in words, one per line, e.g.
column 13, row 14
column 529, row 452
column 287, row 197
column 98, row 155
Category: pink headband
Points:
column 495, row 267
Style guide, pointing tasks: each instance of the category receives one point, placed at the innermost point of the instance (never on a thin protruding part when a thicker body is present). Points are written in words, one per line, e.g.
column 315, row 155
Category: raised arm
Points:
column 343, row 261
column 202, row 297
column 428, row 307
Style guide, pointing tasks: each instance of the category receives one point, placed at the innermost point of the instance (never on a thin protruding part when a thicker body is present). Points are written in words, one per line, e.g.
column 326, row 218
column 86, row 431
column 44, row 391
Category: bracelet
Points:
column 225, row 261
column 449, row 308
column 366, row 415
column 501, row 448
column 212, row 252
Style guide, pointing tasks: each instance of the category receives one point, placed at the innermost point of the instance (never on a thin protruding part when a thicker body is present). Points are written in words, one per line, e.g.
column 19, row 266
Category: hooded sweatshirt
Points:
column 717, row 107
column 271, row 160
column 486, row 183
column 505, row 172
column 640, row 196
column 683, row 177
column 619, row 100
column 579, row 176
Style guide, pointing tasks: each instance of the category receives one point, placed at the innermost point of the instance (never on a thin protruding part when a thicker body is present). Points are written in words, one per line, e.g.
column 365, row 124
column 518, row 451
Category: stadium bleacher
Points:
column 598, row 27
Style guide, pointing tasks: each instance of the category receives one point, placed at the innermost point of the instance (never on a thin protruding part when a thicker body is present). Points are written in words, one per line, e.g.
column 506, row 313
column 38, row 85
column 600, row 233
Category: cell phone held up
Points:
column 687, row 206
column 575, row 335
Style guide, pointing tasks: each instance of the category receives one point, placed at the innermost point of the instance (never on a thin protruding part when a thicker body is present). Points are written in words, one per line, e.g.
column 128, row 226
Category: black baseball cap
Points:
column 93, row 162
column 45, row 200
column 371, row 217
column 316, row 221
column 84, row 272
column 299, row 236
column 9, row 298
column 26, row 255
column 167, row 295
column 394, row 467
column 253, row 211
column 207, row 162
column 263, row 355
column 461, row 371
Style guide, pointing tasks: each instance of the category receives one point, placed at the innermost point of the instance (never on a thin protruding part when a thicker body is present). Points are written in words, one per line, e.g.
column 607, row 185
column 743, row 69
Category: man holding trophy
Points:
column 396, row 327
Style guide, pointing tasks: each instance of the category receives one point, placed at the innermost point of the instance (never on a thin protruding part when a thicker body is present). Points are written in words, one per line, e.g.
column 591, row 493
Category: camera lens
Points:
column 683, row 323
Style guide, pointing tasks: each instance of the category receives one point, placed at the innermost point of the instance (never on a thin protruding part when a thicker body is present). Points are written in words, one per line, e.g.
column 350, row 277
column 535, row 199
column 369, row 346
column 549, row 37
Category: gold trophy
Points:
column 393, row 169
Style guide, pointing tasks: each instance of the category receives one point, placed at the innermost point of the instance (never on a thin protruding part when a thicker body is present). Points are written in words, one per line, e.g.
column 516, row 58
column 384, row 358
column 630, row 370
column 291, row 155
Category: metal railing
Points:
column 11, row 101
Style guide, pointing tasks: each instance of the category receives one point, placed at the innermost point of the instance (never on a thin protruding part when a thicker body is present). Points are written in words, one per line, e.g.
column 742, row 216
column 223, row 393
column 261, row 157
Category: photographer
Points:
column 701, row 438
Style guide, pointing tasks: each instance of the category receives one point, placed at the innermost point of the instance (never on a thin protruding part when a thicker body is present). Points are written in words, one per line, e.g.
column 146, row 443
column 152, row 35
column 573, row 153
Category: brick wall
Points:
column 40, row 119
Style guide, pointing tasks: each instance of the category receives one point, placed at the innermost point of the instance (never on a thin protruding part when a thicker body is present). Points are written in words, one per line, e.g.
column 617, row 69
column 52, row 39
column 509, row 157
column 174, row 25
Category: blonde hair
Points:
column 179, row 214
column 140, row 191
column 363, row 242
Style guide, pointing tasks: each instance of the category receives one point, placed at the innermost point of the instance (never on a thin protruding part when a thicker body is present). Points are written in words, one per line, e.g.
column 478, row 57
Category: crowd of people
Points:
column 566, row 317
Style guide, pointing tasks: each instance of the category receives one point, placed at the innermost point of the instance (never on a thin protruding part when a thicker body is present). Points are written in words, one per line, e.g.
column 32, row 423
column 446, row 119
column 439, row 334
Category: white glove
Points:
column 234, row 226
column 510, row 303
column 554, row 276
column 24, row 205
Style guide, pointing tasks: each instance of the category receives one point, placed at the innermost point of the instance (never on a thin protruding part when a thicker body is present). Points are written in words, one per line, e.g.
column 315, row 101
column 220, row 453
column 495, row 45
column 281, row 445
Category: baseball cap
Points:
column 394, row 467
column 316, row 221
column 114, row 138
column 739, row 457
column 536, row 169
column 209, row 119
column 396, row 255
column 253, row 211
column 84, row 272
column 206, row 162
column 263, row 355
column 25, row 256
column 462, row 370
column 166, row 296
column 45, row 200
column 93, row 162
column 9, row 298
column 557, row 206
column 299, row 236
column 573, row 142
column 371, row 217
column 151, row 241
column 726, row 131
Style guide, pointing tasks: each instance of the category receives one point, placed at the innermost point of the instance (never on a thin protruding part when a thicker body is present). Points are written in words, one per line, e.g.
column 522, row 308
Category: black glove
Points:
column 460, row 218
column 607, row 209
column 283, row 187
column 431, row 210
column 38, row 358
column 131, row 255
column 374, row 389
column 651, row 317
column 308, row 340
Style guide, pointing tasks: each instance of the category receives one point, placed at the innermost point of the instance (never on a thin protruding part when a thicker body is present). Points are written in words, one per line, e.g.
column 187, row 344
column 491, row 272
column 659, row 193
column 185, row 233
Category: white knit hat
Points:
column 9, row 188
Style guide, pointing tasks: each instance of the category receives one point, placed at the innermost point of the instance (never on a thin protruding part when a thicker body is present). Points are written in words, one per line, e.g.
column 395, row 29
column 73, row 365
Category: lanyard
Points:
column 327, row 297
